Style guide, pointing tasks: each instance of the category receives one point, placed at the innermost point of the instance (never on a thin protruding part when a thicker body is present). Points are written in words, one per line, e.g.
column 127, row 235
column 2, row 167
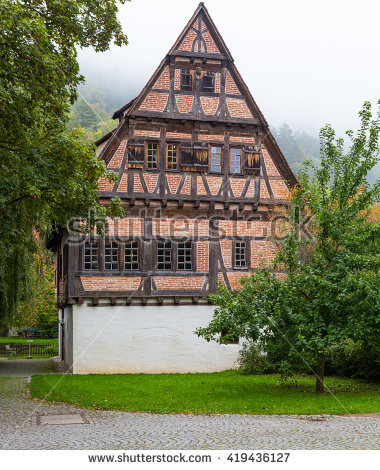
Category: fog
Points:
column 306, row 63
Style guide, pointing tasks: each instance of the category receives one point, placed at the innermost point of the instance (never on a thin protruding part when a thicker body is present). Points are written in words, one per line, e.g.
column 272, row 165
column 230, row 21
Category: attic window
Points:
column 208, row 82
column 151, row 156
column 186, row 80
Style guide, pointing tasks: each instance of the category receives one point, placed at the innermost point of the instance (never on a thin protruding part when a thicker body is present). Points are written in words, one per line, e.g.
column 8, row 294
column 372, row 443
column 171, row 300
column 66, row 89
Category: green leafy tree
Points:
column 47, row 174
column 37, row 310
column 331, row 288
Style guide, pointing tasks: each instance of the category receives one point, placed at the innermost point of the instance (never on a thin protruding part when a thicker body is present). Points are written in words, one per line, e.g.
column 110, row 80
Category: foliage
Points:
column 331, row 290
column 222, row 392
column 38, row 310
column 354, row 359
column 48, row 174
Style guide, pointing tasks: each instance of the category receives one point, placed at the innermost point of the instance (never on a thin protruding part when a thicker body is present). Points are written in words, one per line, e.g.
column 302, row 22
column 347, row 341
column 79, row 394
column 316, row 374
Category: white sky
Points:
column 305, row 62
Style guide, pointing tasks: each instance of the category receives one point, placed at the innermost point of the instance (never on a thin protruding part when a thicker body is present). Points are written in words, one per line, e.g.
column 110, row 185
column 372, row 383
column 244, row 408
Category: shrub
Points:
column 353, row 359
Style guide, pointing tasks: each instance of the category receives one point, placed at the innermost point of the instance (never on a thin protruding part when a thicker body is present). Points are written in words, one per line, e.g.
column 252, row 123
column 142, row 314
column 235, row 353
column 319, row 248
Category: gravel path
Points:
column 19, row 428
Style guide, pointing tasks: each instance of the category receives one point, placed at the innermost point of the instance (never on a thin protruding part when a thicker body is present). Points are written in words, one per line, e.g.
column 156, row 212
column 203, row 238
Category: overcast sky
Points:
column 306, row 62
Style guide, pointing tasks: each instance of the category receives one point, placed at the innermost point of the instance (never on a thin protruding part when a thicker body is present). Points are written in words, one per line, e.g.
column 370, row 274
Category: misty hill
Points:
column 95, row 106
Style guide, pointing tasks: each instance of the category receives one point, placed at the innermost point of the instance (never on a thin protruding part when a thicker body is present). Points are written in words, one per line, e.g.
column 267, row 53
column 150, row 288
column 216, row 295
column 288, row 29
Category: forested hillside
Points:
column 94, row 109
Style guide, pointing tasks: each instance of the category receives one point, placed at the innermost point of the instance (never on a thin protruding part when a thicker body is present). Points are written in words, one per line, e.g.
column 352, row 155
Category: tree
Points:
column 47, row 174
column 83, row 115
column 36, row 308
column 331, row 288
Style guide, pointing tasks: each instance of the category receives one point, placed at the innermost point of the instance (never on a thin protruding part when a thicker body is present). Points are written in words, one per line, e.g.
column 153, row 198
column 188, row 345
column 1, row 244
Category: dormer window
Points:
column 186, row 80
column 208, row 82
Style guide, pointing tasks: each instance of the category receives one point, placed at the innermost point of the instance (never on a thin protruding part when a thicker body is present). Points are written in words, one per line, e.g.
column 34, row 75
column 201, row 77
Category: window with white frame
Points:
column 152, row 156
column 172, row 156
column 216, row 159
column 235, row 160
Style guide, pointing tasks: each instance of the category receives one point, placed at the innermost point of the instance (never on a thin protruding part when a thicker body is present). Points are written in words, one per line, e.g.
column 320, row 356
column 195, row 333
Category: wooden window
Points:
column 184, row 256
column 131, row 256
column 216, row 159
column 240, row 258
column 233, row 340
column 152, row 156
column 91, row 256
column 111, row 256
column 208, row 82
column 164, row 255
column 186, row 80
column 172, row 156
column 235, row 160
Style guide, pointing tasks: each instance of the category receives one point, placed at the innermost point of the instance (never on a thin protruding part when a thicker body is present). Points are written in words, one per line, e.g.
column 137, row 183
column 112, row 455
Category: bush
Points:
column 252, row 360
column 353, row 359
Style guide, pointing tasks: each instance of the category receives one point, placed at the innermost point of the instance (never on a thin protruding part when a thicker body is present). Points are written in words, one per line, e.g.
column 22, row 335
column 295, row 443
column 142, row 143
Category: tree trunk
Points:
column 319, row 385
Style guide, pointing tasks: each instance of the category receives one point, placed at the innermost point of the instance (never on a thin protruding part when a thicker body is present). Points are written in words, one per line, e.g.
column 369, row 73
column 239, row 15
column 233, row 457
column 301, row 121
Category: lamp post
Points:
column 29, row 341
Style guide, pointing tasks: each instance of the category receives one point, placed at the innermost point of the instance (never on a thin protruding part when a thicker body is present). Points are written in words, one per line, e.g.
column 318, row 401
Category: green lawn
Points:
column 223, row 392
column 25, row 340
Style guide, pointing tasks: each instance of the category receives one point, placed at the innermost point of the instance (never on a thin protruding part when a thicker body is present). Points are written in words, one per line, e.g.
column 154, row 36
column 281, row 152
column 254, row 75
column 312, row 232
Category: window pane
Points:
column 235, row 166
column 172, row 157
column 186, row 80
column 131, row 256
column 185, row 256
column 240, row 254
column 208, row 82
column 216, row 159
column 111, row 256
column 91, row 256
column 152, row 156
column 164, row 255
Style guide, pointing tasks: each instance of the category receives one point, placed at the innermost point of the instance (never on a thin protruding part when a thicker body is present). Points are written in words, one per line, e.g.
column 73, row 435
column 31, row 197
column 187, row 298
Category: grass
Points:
column 25, row 340
column 222, row 392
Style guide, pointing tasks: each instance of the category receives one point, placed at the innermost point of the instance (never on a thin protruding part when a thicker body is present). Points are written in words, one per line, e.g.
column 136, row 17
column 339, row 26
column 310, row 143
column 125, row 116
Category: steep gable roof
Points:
column 200, row 43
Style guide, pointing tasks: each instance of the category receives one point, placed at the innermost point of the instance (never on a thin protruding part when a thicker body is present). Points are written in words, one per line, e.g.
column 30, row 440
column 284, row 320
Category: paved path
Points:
column 26, row 367
column 127, row 431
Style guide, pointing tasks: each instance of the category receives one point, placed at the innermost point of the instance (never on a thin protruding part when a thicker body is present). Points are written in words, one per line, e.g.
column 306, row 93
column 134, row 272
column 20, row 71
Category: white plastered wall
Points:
column 148, row 339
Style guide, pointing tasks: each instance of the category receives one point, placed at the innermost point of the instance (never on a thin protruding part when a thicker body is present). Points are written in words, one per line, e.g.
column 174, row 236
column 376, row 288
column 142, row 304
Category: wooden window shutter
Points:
column 136, row 153
column 194, row 157
column 251, row 159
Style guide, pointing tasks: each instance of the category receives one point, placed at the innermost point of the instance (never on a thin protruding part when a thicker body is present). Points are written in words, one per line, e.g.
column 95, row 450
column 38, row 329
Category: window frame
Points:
column 191, row 248
column 208, row 74
column 187, row 73
column 98, row 262
column 174, row 256
column 124, row 269
column 171, row 255
column 178, row 155
column 240, row 166
column 236, row 340
column 118, row 256
column 157, row 143
column 247, row 254
column 212, row 146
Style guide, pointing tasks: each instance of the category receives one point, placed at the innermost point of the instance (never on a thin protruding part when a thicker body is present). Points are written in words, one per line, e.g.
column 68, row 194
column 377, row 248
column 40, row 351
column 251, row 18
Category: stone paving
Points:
column 19, row 428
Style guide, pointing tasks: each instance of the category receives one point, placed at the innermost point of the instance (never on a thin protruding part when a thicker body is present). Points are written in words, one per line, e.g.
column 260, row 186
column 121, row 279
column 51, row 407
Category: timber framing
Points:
column 201, row 118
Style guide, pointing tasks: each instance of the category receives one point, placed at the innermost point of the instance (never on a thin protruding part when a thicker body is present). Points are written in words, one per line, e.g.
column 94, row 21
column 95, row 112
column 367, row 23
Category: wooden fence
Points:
column 29, row 349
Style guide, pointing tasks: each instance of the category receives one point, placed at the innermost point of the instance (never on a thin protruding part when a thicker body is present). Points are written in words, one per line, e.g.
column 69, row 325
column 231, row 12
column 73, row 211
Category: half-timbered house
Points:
column 198, row 170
